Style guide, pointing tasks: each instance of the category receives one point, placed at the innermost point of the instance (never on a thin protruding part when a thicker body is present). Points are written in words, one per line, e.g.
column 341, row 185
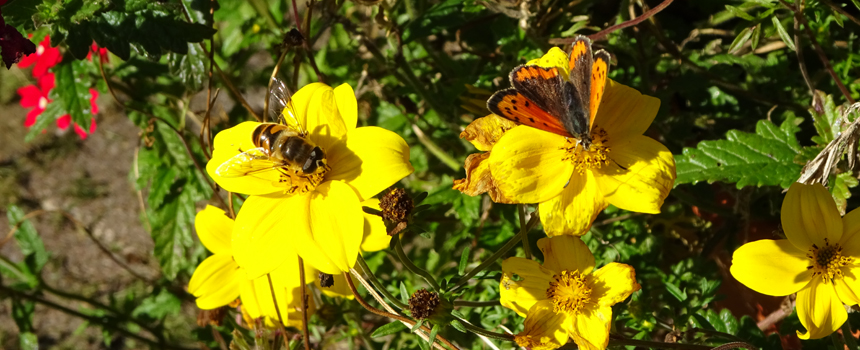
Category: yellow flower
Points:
column 219, row 280
column 818, row 261
column 322, row 219
column 623, row 167
column 563, row 297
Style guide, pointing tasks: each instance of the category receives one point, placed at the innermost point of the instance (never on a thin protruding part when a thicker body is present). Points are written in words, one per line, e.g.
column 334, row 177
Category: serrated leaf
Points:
column 765, row 158
column 783, row 34
column 676, row 292
column 19, row 13
column 387, row 329
column 73, row 89
column 159, row 306
column 740, row 40
column 840, row 189
column 739, row 13
column 189, row 68
column 464, row 260
column 47, row 118
column 28, row 239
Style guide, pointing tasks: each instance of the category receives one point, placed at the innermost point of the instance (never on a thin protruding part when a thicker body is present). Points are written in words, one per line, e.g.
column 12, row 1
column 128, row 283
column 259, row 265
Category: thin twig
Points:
column 827, row 66
column 306, row 336
column 799, row 51
column 841, row 11
column 274, row 298
column 603, row 33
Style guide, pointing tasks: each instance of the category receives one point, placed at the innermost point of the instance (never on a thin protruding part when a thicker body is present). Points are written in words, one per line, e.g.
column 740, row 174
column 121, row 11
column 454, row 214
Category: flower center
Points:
column 595, row 157
column 39, row 50
column 43, row 102
column 569, row 291
column 534, row 342
column 827, row 261
column 297, row 181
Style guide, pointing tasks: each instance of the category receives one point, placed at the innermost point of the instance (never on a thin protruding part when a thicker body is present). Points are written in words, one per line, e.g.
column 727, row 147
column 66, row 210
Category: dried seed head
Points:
column 326, row 280
column 396, row 207
column 423, row 304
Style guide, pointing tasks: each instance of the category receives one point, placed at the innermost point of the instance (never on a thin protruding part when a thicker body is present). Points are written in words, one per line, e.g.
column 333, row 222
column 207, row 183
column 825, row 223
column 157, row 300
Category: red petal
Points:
column 92, row 125
column 80, row 132
column 95, row 107
column 64, row 121
column 46, row 83
column 31, row 116
column 30, row 95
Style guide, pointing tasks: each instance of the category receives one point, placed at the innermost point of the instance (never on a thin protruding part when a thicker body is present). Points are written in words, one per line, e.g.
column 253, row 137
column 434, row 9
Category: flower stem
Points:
column 398, row 248
column 391, row 298
column 502, row 251
column 848, row 335
column 526, row 248
column 489, row 334
column 306, row 336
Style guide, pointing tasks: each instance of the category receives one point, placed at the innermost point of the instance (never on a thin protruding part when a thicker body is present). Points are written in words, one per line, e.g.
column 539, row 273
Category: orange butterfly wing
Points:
column 599, row 73
column 513, row 105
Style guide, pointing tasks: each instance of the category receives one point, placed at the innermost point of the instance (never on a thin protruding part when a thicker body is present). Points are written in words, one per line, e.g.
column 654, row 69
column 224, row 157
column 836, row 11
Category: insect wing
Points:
column 253, row 162
column 279, row 97
column 544, row 86
column 513, row 105
column 599, row 74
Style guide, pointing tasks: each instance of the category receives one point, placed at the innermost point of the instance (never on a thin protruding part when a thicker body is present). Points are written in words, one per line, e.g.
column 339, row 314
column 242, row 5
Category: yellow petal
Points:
column 228, row 144
column 215, row 282
column 819, row 310
column 572, row 212
column 214, row 229
column 647, row 179
column 520, row 292
column 323, row 122
column 809, row 216
column 479, row 180
column 590, row 328
column 848, row 286
column 339, row 289
column 543, row 329
column 613, row 283
column 371, row 160
column 555, row 57
column 284, row 285
column 484, row 132
column 624, row 112
column 527, row 165
column 566, row 253
column 376, row 236
column 347, row 105
column 266, row 229
column 771, row 267
column 336, row 223
column 850, row 241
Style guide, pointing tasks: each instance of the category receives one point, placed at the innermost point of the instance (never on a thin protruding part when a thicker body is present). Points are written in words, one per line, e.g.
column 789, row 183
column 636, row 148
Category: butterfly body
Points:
column 543, row 98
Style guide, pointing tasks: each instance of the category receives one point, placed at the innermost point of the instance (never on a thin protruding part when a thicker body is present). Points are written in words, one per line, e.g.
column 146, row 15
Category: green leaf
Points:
column 189, row 68
column 28, row 341
column 756, row 35
column 676, row 292
column 159, row 306
column 387, row 329
column 740, row 40
column 856, row 3
column 22, row 313
column 783, row 34
column 417, row 326
column 28, row 239
column 840, row 188
column 729, row 320
column 404, row 295
column 432, row 338
column 739, row 13
column 826, row 118
column 458, row 326
column 73, row 88
column 52, row 112
column 19, row 13
column 464, row 260
column 761, row 159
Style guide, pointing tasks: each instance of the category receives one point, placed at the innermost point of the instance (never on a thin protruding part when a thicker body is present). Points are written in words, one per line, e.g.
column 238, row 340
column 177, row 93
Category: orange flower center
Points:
column 297, row 182
column 595, row 157
column 827, row 261
column 569, row 291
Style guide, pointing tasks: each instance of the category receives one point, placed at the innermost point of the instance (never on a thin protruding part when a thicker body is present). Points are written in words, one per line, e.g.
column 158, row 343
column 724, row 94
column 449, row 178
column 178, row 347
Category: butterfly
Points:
column 542, row 98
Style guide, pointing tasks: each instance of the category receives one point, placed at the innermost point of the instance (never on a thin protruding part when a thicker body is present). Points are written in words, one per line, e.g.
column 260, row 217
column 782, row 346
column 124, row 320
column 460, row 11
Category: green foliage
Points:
column 765, row 158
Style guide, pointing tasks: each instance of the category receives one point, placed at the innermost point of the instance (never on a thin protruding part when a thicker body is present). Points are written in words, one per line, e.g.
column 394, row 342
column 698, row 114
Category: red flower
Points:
column 103, row 53
column 36, row 96
column 64, row 121
column 44, row 58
